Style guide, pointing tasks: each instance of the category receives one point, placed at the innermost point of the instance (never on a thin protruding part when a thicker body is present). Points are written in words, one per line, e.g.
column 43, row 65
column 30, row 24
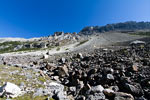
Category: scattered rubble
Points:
column 112, row 75
column 121, row 74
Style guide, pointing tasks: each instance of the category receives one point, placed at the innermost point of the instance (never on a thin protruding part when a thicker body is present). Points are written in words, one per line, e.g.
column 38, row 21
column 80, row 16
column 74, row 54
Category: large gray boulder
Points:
column 98, row 88
column 42, row 92
column 57, row 91
column 96, row 96
column 18, row 47
column 137, row 42
column 135, row 89
column 43, row 45
column 55, row 87
column 96, row 93
column 10, row 90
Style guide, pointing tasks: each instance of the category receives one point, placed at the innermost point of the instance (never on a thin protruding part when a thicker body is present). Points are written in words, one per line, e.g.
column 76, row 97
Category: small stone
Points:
column 108, row 92
column 96, row 96
column 134, row 89
column 114, row 88
column 108, row 70
column 110, row 77
column 80, row 84
column 81, row 97
column 148, row 83
column 38, row 92
column 79, row 55
column 63, row 71
column 56, row 78
column 98, row 88
column 135, row 68
column 22, row 85
column 50, row 67
column 60, row 96
column 72, row 90
column 88, row 87
column 55, row 87
column 63, row 60
column 45, row 56
column 123, row 96
column 141, row 98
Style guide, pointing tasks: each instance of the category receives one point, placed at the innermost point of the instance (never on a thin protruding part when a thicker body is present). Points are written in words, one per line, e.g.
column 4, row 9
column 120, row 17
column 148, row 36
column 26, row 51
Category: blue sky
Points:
column 35, row 18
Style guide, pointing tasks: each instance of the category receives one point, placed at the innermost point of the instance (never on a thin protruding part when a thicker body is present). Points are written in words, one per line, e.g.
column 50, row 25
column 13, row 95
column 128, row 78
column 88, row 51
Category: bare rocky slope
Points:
column 84, row 43
column 112, row 65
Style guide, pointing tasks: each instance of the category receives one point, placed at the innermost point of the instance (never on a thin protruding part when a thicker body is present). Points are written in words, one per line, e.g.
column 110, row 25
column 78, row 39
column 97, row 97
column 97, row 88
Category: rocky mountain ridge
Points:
column 61, row 38
column 125, row 27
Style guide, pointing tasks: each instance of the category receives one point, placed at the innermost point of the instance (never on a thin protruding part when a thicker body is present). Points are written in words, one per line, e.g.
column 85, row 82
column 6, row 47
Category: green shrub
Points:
column 82, row 42
column 141, row 33
column 58, row 48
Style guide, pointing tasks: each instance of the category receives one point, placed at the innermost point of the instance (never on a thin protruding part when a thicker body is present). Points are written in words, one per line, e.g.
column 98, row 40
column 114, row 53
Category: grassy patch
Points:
column 141, row 33
column 67, row 49
column 82, row 42
column 13, row 78
column 28, row 49
column 17, row 78
column 8, row 47
column 30, row 97
column 58, row 48
column 14, row 43
column 42, row 79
